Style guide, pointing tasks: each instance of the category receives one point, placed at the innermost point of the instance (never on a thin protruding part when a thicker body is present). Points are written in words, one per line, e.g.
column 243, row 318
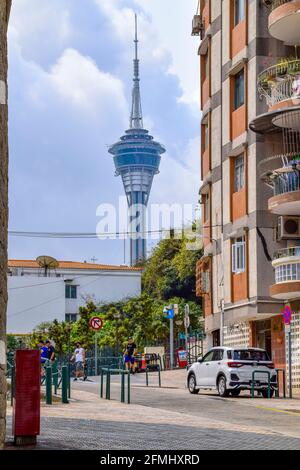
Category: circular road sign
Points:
column 96, row 323
column 287, row 315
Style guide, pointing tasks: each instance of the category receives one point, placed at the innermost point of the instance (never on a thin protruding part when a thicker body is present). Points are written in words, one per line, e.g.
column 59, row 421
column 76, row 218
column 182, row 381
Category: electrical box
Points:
column 26, row 403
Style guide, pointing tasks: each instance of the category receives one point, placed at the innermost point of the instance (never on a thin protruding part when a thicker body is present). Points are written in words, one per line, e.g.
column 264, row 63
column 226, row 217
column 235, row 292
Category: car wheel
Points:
column 192, row 384
column 235, row 393
column 222, row 388
column 265, row 393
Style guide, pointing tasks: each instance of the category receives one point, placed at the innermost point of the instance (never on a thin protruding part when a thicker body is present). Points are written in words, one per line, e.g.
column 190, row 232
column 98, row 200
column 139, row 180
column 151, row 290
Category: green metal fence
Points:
column 107, row 373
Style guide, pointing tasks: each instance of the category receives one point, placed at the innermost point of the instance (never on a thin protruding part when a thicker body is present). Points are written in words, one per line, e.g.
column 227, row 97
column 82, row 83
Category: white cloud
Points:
column 79, row 81
column 40, row 27
column 173, row 20
column 178, row 182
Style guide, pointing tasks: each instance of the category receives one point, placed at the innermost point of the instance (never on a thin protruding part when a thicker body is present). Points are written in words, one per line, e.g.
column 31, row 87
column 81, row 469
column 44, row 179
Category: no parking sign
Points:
column 96, row 323
column 287, row 315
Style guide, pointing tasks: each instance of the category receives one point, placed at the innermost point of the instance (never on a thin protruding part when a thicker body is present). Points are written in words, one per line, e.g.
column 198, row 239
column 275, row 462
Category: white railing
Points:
column 280, row 82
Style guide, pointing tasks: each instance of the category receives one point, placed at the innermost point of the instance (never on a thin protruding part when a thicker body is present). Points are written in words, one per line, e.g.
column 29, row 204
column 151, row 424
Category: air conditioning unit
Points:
column 288, row 228
column 197, row 26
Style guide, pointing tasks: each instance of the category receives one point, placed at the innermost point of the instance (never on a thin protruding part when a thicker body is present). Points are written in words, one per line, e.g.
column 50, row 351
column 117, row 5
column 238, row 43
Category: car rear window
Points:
column 250, row 355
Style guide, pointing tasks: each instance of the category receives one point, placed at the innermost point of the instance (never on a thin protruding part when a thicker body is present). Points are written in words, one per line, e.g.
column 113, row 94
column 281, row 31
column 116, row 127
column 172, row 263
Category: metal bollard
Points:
column 108, row 385
column 101, row 383
column 147, row 376
column 69, row 379
column 159, row 377
column 64, row 384
column 128, row 388
column 122, row 387
column 49, row 385
column 55, row 376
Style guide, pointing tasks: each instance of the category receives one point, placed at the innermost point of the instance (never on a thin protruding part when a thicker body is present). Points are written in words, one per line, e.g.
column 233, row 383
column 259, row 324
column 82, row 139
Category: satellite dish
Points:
column 47, row 263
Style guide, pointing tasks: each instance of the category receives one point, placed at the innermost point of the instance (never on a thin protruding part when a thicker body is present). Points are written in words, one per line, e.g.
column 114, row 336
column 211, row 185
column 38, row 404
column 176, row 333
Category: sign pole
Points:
column 96, row 324
column 171, row 344
column 287, row 317
column 290, row 363
column 96, row 354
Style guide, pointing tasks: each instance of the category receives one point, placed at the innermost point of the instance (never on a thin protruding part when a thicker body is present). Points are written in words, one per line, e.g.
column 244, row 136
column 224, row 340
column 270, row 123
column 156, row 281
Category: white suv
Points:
column 229, row 370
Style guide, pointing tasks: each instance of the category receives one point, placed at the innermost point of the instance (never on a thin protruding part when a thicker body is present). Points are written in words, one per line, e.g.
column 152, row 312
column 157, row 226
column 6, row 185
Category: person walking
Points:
column 129, row 355
column 50, row 351
column 79, row 357
column 44, row 356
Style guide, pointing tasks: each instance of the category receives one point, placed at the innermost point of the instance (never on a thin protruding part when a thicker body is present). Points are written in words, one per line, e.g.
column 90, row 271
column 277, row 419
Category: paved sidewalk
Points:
column 167, row 419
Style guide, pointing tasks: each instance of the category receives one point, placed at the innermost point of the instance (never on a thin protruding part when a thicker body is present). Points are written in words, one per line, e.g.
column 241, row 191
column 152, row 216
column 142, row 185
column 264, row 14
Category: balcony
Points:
column 286, row 189
column 284, row 20
column 286, row 264
column 280, row 84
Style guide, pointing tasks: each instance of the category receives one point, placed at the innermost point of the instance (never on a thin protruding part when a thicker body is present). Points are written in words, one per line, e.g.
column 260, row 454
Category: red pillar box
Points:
column 26, row 411
column 181, row 357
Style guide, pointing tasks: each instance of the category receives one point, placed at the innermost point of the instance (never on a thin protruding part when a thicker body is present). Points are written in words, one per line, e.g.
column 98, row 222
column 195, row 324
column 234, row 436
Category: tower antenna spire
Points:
column 136, row 117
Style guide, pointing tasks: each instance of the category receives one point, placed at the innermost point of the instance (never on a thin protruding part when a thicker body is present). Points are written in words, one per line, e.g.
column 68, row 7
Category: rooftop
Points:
column 72, row 265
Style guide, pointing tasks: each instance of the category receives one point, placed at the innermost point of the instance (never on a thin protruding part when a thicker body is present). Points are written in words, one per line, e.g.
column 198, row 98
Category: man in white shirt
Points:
column 79, row 356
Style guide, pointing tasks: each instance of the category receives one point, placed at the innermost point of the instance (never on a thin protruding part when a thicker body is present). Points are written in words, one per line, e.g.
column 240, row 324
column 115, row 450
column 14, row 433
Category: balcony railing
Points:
column 273, row 4
column 280, row 82
column 285, row 180
column 287, row 252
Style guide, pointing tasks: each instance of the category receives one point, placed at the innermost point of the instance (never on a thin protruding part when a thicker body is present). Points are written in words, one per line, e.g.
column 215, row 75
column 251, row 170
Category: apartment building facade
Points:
column 242, row 223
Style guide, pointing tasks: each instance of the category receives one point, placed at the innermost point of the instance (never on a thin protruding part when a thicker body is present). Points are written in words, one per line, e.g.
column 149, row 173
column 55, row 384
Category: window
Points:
column 239, row 173
column 287, row 272
column 206, row 204
column 71, row 317
column 239, row 11
column 206, row 136
column 250, row 355
column 239, row 255
column 239, row 89
column 208, row 357
column 71, row 292
column 218, row 355
column 206, row 66
column 205, row 282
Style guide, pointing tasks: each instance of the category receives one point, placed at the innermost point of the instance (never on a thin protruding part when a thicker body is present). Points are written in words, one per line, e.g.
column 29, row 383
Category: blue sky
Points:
column 70, row 81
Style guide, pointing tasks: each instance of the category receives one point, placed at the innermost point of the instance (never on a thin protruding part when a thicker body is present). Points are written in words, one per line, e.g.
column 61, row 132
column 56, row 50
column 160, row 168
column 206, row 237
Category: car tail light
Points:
column 235, row 364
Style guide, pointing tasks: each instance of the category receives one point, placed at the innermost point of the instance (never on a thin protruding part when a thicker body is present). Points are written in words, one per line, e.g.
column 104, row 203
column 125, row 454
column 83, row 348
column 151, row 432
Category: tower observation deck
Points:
column 137, row 158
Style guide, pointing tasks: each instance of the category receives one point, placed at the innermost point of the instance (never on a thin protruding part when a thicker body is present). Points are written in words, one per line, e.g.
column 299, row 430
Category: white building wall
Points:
column 33, row 300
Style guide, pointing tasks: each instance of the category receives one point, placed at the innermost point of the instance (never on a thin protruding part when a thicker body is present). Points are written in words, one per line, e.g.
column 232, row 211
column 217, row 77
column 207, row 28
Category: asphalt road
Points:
column 233, row 411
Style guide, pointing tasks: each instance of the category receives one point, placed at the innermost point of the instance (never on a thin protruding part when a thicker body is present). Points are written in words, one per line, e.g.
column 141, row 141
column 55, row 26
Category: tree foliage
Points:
column 168, row 278
column 170, row 271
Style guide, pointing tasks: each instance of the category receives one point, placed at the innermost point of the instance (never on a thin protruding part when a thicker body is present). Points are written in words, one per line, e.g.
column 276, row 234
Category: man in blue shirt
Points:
column 44, row 351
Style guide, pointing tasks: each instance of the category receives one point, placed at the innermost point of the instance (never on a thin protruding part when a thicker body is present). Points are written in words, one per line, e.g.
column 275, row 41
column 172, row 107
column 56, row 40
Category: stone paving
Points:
column 167, row 419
